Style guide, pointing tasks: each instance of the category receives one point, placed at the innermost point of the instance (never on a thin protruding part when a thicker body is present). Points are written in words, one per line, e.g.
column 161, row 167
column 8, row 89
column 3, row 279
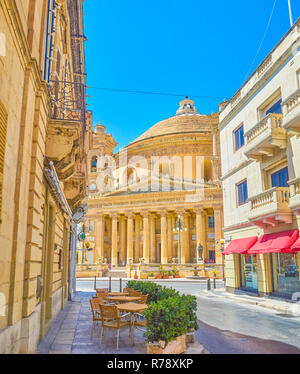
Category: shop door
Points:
column 249, row 273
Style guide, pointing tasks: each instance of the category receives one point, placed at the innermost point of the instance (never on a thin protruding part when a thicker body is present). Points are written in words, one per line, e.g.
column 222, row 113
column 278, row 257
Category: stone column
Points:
column 186, row 236
column 99, row 231
column 163, row 236
column 114, row 240
column 152, row 239
column 201, row 232
column 218, row 233
column 181, row 213
column 137, row 249
column 129, row 238
column 146, row 235
column 170, row 235
column 122, row 239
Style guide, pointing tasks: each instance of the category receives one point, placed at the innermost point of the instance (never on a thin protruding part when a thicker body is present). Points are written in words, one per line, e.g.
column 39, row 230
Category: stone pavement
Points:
column 282, row 306
column 71, row 333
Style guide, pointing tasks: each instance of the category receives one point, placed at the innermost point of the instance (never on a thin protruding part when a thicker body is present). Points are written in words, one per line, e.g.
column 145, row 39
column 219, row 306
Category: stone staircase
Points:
column 116, row 272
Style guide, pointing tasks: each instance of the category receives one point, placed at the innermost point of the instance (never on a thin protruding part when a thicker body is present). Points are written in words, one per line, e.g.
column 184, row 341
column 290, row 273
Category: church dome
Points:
column 186, row 120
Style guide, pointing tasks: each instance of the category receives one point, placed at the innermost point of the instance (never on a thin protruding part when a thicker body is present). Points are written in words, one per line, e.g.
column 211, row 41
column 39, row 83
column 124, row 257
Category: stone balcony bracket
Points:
column 271, row 207
column 265, row 137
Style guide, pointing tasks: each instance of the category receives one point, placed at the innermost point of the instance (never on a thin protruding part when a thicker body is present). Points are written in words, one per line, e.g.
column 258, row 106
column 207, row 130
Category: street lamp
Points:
column 222, row 242
column 179, row 229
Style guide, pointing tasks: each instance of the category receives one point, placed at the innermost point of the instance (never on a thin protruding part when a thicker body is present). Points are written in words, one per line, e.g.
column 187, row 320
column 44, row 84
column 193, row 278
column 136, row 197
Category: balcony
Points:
column 291, row 110
column 265, row 137
column 295, row 195
column 271, row 207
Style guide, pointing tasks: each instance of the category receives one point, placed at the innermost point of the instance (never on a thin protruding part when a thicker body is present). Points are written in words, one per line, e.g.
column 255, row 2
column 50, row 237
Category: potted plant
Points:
column 158, row 276
column 165, row 275
column 165, row 334
column 151, row 276
column 176, row 274
column 135, row 276
column 170, row 274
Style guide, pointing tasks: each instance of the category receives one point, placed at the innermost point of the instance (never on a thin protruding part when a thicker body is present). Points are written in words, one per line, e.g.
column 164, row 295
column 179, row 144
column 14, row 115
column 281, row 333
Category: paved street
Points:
column 232, row 326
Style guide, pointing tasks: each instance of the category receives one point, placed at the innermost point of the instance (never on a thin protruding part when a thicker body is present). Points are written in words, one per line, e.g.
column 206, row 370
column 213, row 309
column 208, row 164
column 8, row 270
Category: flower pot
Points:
column 171, row 277
column 190, row 337
column 151, row 278
column 176, row 276
column 176, row 347
column 165, row 277
column 158, row 277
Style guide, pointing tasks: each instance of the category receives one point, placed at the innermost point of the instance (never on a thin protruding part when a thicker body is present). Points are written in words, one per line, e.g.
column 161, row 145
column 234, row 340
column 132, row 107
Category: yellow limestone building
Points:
column 42, row 163
column 136, row 195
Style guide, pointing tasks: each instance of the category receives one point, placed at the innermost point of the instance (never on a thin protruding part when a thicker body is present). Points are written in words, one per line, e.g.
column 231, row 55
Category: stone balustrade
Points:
column 295, row 194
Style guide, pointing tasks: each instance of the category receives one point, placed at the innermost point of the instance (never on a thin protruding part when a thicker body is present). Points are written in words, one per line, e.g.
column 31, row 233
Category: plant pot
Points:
column 158, row 277
column 176, row 276
column 190, row 337
column 171, row 277
column 151, row 278
column 165, row 277
column 176, row 347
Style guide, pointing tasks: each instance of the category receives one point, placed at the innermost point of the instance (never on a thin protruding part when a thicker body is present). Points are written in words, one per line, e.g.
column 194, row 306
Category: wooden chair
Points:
column 143, row 299
column 101, row 290
column 135, row 293
column 111, row 319
column 96, row 311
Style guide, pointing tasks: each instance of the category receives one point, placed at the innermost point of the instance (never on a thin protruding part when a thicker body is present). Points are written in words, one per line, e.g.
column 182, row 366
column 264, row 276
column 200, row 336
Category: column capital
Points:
column 114, row 215
column 145, row 214
column 129, row 215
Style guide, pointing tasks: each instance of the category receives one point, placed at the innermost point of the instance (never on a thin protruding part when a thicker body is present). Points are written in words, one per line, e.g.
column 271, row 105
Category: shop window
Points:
column 248, row 269
column 285, row 271
column 239, row 139
column 242, row 193
column 280, row 178
column 211, row 222
column 3, row 129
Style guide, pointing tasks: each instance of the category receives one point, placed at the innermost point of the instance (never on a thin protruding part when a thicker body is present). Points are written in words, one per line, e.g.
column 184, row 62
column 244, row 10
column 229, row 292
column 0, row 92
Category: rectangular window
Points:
column 280, row 178
column 242, row 192
column 211, row 222
column 239, row 140
column 91, row 226
column 275, row 108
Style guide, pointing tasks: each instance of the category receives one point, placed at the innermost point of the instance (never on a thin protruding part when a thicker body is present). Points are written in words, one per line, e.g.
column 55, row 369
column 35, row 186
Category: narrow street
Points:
column 227, row 326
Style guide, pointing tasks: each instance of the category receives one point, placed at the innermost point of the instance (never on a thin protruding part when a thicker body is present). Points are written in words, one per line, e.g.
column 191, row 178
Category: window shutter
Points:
column 3, row 129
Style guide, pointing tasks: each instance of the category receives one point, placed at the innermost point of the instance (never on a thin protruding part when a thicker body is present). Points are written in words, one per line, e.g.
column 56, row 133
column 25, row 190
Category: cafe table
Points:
column 132, row 308
column 118, row 294
column 123, row 299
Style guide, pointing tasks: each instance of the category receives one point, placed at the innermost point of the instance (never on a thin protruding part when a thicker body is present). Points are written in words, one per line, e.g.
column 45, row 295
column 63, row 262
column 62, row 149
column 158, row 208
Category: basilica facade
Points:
column 159, row 199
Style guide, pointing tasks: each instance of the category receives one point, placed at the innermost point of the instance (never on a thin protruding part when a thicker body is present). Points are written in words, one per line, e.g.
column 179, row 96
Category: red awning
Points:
column 296, row 246
column 276, row 242
column 240, row 246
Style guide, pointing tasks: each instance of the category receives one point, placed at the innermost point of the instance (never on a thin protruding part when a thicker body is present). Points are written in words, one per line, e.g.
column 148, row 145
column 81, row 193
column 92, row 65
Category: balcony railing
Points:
column 264, row 137
column 291, row 109
column 295, row 195
column 271, row 207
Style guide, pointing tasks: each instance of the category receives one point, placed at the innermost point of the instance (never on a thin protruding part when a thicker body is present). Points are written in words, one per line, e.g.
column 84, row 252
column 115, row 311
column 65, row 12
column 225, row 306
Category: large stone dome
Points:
column 186, row 120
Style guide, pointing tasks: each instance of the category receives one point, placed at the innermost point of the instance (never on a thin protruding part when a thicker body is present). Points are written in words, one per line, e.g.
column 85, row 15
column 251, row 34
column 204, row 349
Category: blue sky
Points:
column 196, row 47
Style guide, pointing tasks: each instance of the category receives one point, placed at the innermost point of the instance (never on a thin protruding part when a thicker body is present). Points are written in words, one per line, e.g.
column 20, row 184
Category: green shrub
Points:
column 166, row 320
column 168, row 313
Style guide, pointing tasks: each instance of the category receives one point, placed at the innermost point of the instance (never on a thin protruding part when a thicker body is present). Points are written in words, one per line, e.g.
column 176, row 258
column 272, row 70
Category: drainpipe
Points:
column 51, row 39
column 47, row 39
